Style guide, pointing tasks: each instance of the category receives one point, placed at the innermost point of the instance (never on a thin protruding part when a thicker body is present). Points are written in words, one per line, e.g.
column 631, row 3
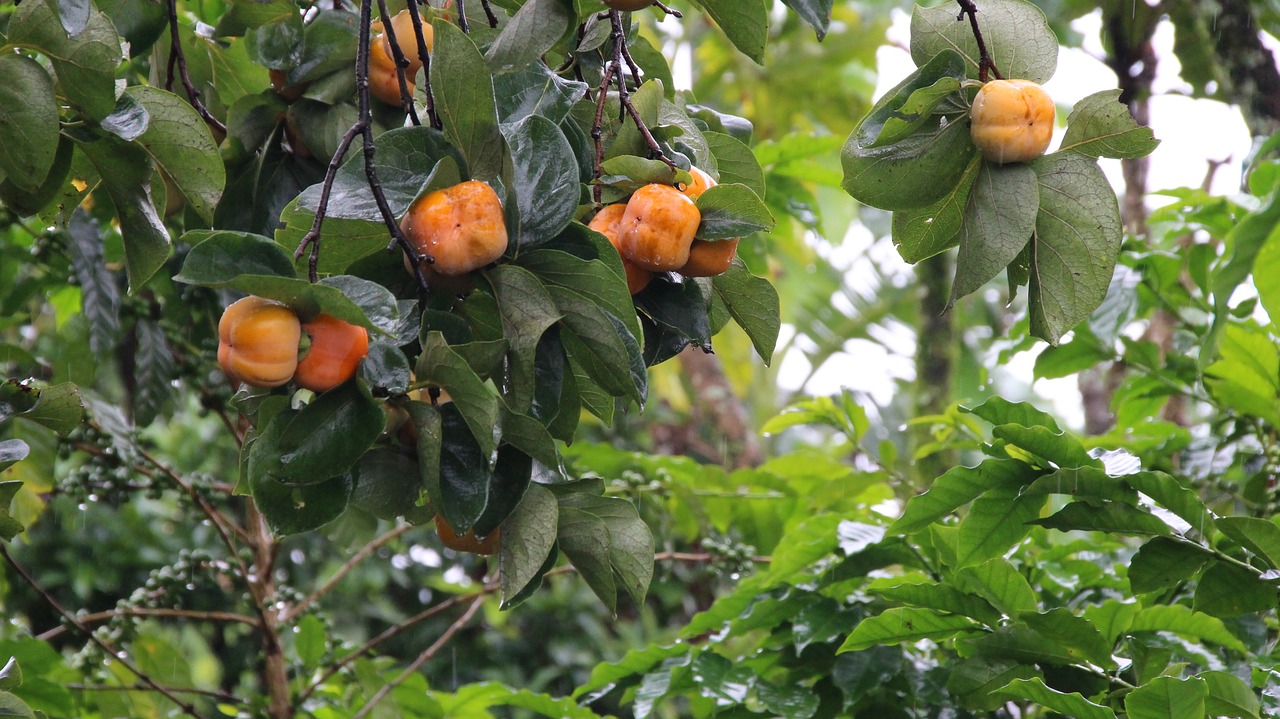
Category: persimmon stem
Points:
column 397, row 55
column 597, row 133
column 668, row 10
column 986, row 66
column 312, row 238
column 621, row 56
column 488, row 12
column 462, row 16
column 176, row 55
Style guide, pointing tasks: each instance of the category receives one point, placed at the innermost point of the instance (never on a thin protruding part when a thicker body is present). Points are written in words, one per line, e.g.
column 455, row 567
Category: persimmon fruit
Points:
column 710, row 258
column 468, row 541
column 608, row 222
column 258, row 342
column 701, row 183
column 657, row 228
column 384, row 83
column 1011, row 121
column 407, row 40
column 458, row 229
column 335, row 352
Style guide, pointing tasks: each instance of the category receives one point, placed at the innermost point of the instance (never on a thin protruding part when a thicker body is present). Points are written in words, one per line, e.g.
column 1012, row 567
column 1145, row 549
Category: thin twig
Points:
column 401, row 62
column 158, row 612
column 422, row 659
column 187, row 708
column 462, row 16
column 597, row 134
column 425, row 56
column 312, row 238
column 985, row 63
column 212, row 693
column 364, row 553
column 670, row 11
column 488, row 11
column 175, row 51
column 619, row 48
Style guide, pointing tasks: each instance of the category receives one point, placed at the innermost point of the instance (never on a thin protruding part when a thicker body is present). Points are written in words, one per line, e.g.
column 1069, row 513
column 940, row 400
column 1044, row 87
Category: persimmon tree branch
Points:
column 211, row 693
column 425, row 56
column 363, row 127
column 356, row 559
column 154, row 613
column 488, row 12
column 422, row 659
column 397, row 55
column 177, row 57
column 113, row 652
column 986, row 66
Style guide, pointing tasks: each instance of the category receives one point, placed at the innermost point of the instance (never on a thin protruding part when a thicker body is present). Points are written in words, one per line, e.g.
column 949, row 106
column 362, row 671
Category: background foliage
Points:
column 809, row 559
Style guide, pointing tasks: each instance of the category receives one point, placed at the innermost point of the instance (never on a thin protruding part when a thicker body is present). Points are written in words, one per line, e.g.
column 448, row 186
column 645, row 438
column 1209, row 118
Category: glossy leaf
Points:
column 732, row 211
column 995, row 522
column 914, row 172
column 609, row 545
column 28, row 122
column 180, row 143
column 543, row 183
column 1163, row 563
column 753, row 303
column 464, row 96
column 956, row 488
column 1068, row 704
column 528, row 533
column 84, row 64
column 744, row 22
column 905, row 624
column 921, row 233
column 1167, row 698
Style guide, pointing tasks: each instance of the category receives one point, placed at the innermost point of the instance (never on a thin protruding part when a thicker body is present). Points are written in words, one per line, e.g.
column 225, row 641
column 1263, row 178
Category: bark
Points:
column 1250, row 66
column 718, row 409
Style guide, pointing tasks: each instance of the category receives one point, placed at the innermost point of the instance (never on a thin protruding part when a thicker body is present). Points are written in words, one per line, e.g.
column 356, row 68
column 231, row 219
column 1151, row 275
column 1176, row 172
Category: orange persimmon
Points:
column 467, row 542
column 335, row 352
column 258, row 342
column 1011, row 121
column 458, row 229
column 658, row 227
column 608, row 222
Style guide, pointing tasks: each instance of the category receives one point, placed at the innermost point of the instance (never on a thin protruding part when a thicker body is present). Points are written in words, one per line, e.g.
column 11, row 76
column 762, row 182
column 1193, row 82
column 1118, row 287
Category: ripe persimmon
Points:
column 710, row 258
column 608, row 222
column 1011, row 121
column 384, row 83
column 335, row 352
column 458, row 229
column 701, row 183
column 467, row 542
column 407, row 40
column 258, row 342
column 658, row 227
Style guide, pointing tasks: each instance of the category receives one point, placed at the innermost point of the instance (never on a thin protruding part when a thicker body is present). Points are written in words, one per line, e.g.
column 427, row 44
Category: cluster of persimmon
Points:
column 1011, row 121
column 384, row 84
column 654, row 232
column 263, row 343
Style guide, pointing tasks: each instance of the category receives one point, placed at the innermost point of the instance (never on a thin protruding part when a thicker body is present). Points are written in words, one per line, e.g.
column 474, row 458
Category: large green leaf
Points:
column 924, row 232
column 126, row 172
column 956, row 488
column 912, row 102
column 905, row 624
column 1016, row 32
column 923, row 592
column 84, row 64
column 1175, row 496
column 744, row 22
column 1182, row 621
column 441, row 366
column 1078, row 235
column 999, row 220
column 997, row 581
column 916, row 171
column 730, row 210
column 528, row 536
column 1101, row 126
column 1167, row 698
column 322, row 440
column 464, row 97
column 530, row 33
column 543, row 181
column 995, row 522
column 527, row 311
column 1256, row 535
column 180, row 143
column 609, row 544
column 1163, row 563
column 1116, row 517
column 1228, row 590
column 602, row 344
column 1072, row 704
column 1229, row 696
column 28, row 122
column 1246, row 376
column 753, row 303
column 736, row 162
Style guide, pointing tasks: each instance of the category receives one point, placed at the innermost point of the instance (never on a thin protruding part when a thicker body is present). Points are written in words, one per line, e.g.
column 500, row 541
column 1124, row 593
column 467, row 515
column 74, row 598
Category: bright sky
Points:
column 1192, row 133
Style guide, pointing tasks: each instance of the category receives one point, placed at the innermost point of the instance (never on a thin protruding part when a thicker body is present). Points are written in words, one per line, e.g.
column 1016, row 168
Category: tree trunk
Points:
column 935, row 345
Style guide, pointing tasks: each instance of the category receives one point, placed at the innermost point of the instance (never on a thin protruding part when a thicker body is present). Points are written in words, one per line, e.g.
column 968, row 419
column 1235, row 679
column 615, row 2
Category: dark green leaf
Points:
column 606, row 349
column 322, row 440
column 1171, row 494
column 745, row 22
column 1229, row 696
column 1163, row 563
column 996, row 521
column 608, row 543
column 1180, row 620
column 1259, row 536
column 927, row 231
column 815, row 12
column 1227, row 590
column 730, row 211
column 544, row 180
column 753, row 303
column 126, row 171
column 536, row 90
column 464, row 97
column 527, row 310
column 916, row 171
column 290, row 510
column 99, row 294
column 28, row 122
column 387, row 485
column 530, row 33
column 911, row 103
column 528, row 535
column 999, row 220
column 1078, row 235
column 441, row 367
column 180, row 143
column 1116, row 517
column 85, row 64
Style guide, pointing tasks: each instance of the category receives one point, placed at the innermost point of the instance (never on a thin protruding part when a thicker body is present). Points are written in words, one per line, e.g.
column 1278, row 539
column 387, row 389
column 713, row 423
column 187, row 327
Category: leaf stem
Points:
column 986, row 66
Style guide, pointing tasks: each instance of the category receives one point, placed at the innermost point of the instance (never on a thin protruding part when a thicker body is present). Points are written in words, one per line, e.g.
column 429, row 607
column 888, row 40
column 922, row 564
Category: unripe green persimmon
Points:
column 1011, row 121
